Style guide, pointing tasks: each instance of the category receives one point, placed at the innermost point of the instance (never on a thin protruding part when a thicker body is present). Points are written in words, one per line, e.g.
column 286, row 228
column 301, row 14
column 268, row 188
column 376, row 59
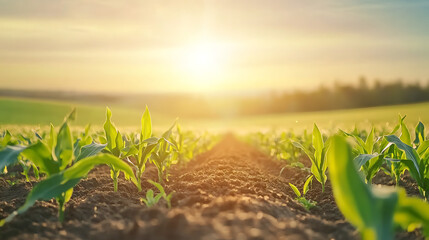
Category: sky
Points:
column 141, row 46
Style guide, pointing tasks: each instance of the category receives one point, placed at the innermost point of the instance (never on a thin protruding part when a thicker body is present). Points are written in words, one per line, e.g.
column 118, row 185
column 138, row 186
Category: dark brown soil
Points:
column 231, row 192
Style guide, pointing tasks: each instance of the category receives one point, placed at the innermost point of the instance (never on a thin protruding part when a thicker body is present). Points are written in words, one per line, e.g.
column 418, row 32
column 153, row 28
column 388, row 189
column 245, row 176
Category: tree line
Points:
column 339, row 96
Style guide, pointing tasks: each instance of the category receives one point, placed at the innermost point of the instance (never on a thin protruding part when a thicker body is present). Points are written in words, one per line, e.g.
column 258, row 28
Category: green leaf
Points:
column 362, row 159
column 157, row 197
column 110, row 130
column 424, row 145
column 405, row 133
column 374, row 166
column 6, row 139
column 146, row 125
column 410, row 152
column 87, row 128
column 412, row 213
column 149, row 194
column 81, row 168
column 9, row 155
column 41, row 156
column 64, row 146
column 90, row 150
column 57, row 184
column 307, row 185
column 47, row 189
column 71, row 116
column 415, row 172
column 167, row 133
column 157, row 185
column 52, row 137
column 152, row 140
column 145, row 154
column 351, row 194
column 306, row 150
column 295, row 190
column 130, row 151
column 317, row 142
column 369, row 144
column 360, row 142
column 420, row 133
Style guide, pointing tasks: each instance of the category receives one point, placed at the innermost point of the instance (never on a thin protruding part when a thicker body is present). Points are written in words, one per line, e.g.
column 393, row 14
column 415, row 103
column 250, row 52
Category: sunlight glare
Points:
column 203, row 64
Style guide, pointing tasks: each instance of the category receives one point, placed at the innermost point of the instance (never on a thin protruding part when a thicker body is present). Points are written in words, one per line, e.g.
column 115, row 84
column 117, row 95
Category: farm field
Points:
column 27, row 112
column 273, row 185
column 214, row 120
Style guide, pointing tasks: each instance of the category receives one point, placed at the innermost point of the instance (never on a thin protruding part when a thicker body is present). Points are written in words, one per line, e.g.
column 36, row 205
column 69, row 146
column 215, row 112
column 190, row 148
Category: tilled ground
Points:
column 230, row 192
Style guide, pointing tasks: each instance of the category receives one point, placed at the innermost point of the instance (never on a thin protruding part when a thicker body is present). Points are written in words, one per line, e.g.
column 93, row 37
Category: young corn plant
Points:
column 164, row 155
column 317, row 158
column 368, row 160
column 116, row 146
column 186, row 143
column 395, row 167
column 373, row 211
column 152, row 200
column 145, row 146
column 306, row 203
column 417, row 165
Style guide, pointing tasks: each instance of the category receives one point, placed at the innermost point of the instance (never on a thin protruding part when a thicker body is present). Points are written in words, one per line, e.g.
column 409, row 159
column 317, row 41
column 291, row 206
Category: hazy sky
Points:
column 145, row 46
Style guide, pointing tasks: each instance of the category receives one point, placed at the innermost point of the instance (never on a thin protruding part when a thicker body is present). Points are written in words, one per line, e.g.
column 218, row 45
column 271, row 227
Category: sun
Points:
column 202, row 64
column 203, row 59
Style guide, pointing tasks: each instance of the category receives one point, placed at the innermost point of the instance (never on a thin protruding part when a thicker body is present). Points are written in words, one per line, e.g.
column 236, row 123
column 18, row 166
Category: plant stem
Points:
column 139, row 180
column 115, row 183
column 61, row 209
column 159, row 176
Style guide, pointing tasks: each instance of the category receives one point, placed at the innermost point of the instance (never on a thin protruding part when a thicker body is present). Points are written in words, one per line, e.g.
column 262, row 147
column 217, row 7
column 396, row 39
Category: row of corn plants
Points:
column 59, row 160
column 352, row 160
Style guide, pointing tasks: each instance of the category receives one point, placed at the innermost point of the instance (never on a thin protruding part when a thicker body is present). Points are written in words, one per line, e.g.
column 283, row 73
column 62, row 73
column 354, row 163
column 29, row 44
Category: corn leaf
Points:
column 64, row 146
column 307, row 185
column 146, row 125
column 352, row 196
column 412, row 213
column 410, row 152
column 420, row 133
column 362, row 159
column 369, row 143
column 41, row 156
column 57, row 184
column 110, row 130
column 9, row 155
column 405, row 133
column 90, row 150
column 295, row 190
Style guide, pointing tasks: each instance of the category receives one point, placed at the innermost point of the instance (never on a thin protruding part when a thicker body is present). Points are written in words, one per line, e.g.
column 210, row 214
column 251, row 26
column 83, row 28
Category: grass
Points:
column 30, row 112
column 41, row 112
column 345, row 119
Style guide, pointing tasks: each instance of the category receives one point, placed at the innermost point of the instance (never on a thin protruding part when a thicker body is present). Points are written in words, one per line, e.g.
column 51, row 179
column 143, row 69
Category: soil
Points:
column 230, row 192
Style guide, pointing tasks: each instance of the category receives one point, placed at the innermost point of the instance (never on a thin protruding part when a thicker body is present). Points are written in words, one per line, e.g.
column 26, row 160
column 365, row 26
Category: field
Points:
column 139, row 175
column 39, row 113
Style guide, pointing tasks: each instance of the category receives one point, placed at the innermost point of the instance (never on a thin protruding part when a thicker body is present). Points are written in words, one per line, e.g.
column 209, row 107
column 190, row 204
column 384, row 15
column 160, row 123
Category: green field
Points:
column 31, row 112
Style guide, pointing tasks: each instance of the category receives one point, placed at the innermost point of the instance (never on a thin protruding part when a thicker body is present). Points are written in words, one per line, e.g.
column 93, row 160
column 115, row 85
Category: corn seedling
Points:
column 306, row 203
column 317, row 158
column 152, row 200
column 163, row 157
